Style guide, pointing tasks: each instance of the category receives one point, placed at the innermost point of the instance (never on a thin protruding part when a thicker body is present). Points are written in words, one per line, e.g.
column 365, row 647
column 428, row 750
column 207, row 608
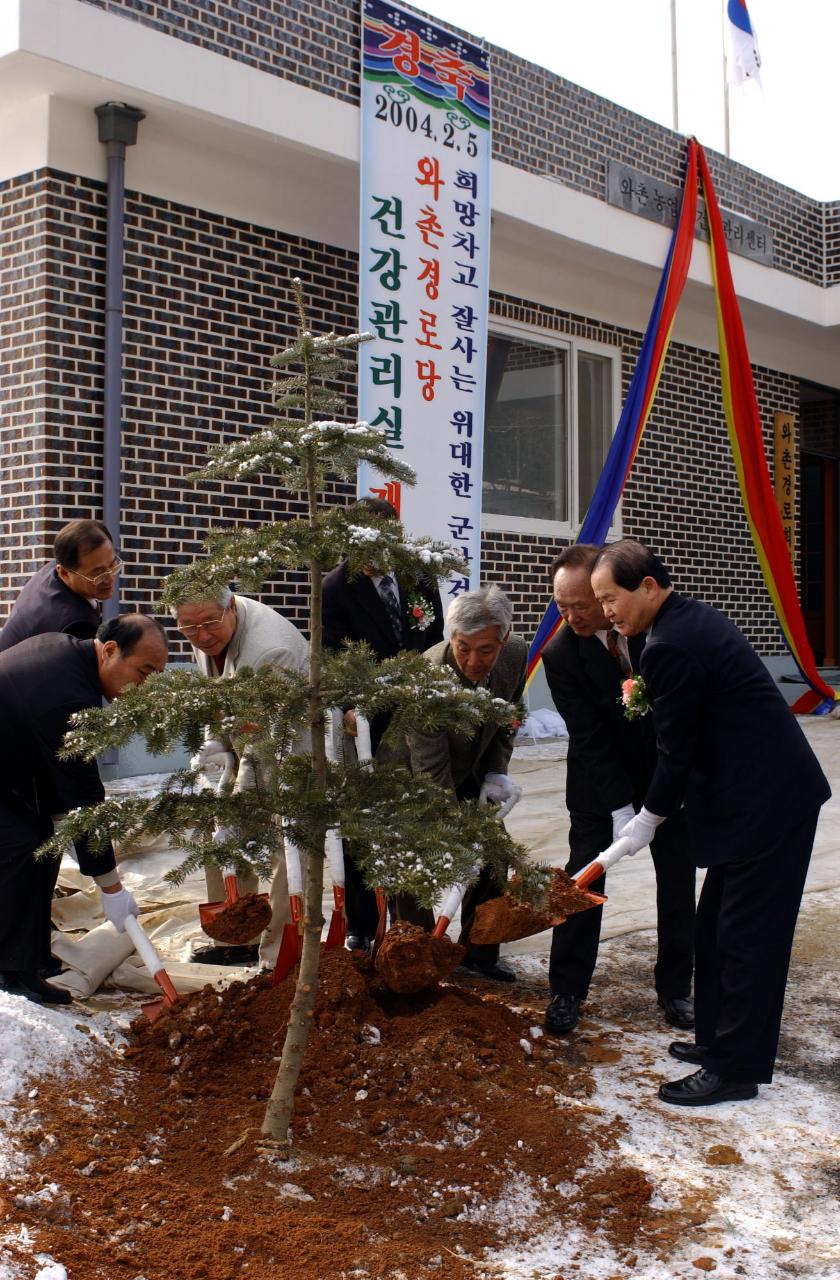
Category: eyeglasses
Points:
column 111, row 572
column 213, row 626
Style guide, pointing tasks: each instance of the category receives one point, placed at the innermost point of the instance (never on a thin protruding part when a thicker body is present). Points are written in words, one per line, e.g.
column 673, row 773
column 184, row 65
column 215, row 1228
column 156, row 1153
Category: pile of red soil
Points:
column 411, row 960
column 414, row 1117
column 241, row 921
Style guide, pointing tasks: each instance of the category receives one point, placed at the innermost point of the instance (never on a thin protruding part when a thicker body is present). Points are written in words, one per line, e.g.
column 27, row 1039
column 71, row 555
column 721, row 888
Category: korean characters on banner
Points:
column 783, row 474
column 424, row 269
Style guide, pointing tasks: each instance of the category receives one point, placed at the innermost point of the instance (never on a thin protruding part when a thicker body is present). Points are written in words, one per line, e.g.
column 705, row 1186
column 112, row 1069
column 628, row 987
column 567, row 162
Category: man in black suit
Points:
column 730, row 750
column 377, row 609
column 43, row 681
column 609, row 766
column 66, row 594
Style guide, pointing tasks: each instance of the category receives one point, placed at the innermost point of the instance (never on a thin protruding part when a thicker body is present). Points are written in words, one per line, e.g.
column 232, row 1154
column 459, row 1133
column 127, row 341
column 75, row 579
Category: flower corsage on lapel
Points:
column 634, row 697
column 420, row 613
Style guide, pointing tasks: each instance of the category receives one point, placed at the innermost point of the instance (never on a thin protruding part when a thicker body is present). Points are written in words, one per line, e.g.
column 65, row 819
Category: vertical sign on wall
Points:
column 783, row 474
column 424, row 249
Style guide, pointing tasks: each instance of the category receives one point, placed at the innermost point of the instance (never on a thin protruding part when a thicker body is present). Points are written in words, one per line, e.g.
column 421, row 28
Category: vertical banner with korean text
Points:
column 424, row 249
column 783, row 475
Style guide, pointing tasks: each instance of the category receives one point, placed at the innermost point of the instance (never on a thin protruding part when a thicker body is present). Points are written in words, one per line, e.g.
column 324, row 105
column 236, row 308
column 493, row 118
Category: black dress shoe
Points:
column 562, row 1014
column 497, row 972
column 221, row 954
column 27, row 983
column 687, row 1051
column 52, row 969
column 357, row 942
column 705, row 1088
column 679, row 1011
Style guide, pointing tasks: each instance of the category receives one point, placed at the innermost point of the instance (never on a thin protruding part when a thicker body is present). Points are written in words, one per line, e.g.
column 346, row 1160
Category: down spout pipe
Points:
column 117, row 130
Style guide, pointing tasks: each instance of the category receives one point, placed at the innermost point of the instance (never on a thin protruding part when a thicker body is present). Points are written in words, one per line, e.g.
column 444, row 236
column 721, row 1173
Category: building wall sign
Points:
column 424, row 249
column 657, row 201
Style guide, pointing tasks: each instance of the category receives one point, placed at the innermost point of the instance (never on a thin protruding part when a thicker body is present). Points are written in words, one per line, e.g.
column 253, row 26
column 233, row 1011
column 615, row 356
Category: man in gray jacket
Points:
column 483, row 654
column 228, row 633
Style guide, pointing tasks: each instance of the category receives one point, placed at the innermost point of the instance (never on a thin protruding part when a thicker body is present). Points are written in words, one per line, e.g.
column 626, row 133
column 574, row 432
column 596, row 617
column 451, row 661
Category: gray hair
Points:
column 222, row 598
column 475, row 610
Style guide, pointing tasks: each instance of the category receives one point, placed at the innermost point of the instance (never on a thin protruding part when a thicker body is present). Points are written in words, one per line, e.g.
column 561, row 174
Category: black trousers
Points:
column 746, row 918
column 26, row 888
column 574, row 944
column 359, row 900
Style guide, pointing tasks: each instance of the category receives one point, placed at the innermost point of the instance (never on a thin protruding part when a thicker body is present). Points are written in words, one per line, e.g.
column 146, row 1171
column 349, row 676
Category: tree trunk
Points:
column 278, row 1113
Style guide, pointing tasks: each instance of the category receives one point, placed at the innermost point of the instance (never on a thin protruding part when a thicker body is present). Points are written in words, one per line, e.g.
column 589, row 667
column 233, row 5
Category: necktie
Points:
column 390, row 599
column 616, row 652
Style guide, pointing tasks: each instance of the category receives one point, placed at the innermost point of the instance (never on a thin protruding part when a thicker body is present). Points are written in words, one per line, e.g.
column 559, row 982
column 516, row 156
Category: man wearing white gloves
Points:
column 483, row 653
column 43, row 681
column 610, row 763
column 731, row 752
column 228, row 633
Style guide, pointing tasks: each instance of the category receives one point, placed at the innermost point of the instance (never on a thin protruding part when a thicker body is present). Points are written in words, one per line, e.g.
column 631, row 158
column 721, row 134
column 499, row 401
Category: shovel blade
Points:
column 288, row 955
column 337, row 931
column 153, row 1009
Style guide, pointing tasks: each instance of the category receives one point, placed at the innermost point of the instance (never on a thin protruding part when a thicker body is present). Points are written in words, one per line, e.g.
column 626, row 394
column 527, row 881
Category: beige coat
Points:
column 263, row 638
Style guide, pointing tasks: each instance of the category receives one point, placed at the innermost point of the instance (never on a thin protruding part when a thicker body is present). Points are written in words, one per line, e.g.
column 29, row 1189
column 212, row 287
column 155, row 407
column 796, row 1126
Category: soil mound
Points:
column 417, row 1118
column 241, row 921
column 411, row 960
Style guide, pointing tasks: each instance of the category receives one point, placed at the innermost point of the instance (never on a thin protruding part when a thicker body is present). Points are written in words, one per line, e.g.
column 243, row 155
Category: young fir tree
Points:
column 412, row 835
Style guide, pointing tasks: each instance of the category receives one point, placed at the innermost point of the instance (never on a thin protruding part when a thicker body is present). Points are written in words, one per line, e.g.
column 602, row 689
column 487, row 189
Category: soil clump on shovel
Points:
column 411, row 960
column 241, row 921
column 566, row 898
column 506, row 919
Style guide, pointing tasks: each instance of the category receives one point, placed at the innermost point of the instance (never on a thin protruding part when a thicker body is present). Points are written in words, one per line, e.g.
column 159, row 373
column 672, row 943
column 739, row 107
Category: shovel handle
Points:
column 335, row 856
column 451, row 904
column 231, row 887
column 364, row 752
column 593, row 870
column 294, row 874
column 143, row 946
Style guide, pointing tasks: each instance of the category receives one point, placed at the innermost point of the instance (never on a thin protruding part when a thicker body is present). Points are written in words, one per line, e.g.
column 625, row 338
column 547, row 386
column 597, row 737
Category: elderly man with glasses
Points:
column 228, row 633
column 67, row 593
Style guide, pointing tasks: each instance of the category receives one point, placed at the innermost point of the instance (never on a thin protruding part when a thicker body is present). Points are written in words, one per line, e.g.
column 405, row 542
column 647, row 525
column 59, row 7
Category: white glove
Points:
column 620, row 818
column 210, row 757
column 641, row 829
column 498, row 789
column 118, row 907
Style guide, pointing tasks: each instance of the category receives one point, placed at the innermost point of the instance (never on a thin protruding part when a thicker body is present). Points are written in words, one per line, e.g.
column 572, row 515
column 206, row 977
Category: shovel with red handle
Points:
column 291, row 941
column 364, row 754
column 238, row 778
column 600, row 865
column 334, row 847
column 147, row 953
column 451, row 903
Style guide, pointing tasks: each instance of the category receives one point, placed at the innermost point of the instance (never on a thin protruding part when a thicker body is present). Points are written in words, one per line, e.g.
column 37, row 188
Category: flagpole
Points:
column 675, row 93
column 725, row 80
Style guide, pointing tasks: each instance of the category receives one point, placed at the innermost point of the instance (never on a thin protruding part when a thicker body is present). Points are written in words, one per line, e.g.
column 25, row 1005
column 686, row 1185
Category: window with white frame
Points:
column 550, row 411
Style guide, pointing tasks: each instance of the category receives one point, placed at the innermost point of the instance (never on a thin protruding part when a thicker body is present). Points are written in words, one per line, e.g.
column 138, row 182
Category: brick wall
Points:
column 207, row 302
column 23, row 346
column 543, row 123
